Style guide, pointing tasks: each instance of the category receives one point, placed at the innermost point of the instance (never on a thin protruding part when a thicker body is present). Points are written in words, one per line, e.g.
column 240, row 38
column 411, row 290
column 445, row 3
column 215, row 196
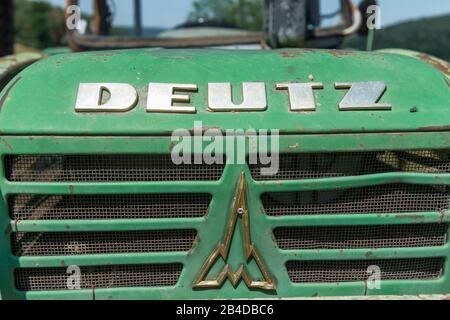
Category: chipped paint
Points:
column 441, row 65
column 342, row 53
column 291, row 54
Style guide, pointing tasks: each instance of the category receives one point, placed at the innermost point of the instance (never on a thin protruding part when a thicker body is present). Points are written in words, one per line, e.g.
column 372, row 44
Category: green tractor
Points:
column 350, row 200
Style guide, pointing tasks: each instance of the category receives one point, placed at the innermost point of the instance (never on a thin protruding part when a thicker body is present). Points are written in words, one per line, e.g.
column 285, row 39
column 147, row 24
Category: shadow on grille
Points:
column 391, row 198
column 361, row 270
column 353, row 237
column 82, row 243
column 121, row 206
column 329, row 165
column 47, row 279
column 105, row 168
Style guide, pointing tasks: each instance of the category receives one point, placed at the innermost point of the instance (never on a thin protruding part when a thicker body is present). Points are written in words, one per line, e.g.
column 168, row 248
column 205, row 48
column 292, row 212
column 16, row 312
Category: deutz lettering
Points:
column 176, row 97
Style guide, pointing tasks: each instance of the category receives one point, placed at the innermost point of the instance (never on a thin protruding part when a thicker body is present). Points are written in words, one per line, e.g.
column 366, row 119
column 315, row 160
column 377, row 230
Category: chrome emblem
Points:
column 176, row 97
column 239, row 211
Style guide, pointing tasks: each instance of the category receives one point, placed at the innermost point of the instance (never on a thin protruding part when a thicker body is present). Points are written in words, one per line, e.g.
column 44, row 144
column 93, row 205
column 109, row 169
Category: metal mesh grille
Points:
column 47, row 279
column 358, row 270
column 353, row 237
column 105, row 168
column 123, row 206
column 328, row 165
column 391, row 198
column 81, row 243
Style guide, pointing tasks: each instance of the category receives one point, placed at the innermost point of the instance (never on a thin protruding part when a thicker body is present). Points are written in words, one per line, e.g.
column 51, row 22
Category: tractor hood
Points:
column 41, row 100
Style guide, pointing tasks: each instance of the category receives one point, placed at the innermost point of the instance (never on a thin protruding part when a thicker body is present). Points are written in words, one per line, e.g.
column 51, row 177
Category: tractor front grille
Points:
column 117, row 276
column 362, row 270
column 134, row 220
column 356, row 237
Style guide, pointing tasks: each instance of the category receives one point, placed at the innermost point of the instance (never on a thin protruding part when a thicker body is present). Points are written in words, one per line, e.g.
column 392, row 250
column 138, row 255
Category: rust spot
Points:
column 105, row 54
column 8, row 145
column 7, row 92
column 435, row 128
column 341, row 53
column 291, row 54
column 71, row 188
column 412, row 216
column 369, row 254
column 441, row 65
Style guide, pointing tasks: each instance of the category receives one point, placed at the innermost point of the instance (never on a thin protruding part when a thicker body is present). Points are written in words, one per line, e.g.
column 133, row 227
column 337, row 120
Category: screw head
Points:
column 240, row 211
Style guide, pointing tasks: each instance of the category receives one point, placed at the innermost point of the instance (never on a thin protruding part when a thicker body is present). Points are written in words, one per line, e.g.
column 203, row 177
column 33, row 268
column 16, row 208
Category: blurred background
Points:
column 410, row 24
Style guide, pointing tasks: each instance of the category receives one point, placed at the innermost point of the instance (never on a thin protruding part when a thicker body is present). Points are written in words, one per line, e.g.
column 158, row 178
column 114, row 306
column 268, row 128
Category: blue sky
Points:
column 169, row 13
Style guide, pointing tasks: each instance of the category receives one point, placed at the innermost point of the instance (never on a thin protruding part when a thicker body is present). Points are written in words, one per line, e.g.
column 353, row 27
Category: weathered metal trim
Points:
column 93, row 260
column 439, row 64
column 352, row 22
column 105, row 225
column 81, row 43
column 108, row 188
column 364, row 254
column 358, row 219
column 350, row 182
column 295, row 143
column 78, row 42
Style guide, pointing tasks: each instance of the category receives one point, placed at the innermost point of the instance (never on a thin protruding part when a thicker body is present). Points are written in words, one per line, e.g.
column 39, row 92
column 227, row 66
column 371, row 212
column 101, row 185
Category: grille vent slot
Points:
column 120, row 276
column 329, row 165
column 354, row 237
column 390, row 198
column 84, row 243
column 106, row 168
column 121, row 206
column 357, row 270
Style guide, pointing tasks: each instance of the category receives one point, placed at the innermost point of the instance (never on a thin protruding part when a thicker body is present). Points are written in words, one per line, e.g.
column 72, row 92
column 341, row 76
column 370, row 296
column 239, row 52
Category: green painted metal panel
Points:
column 211, row 228
column 37, row 117
column 43, row 100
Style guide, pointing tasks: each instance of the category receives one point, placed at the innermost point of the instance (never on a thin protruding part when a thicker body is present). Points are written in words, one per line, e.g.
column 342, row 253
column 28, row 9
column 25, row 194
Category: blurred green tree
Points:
column 6, row 27
column 38, row 24
column 245, row 14
column 428, row 35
